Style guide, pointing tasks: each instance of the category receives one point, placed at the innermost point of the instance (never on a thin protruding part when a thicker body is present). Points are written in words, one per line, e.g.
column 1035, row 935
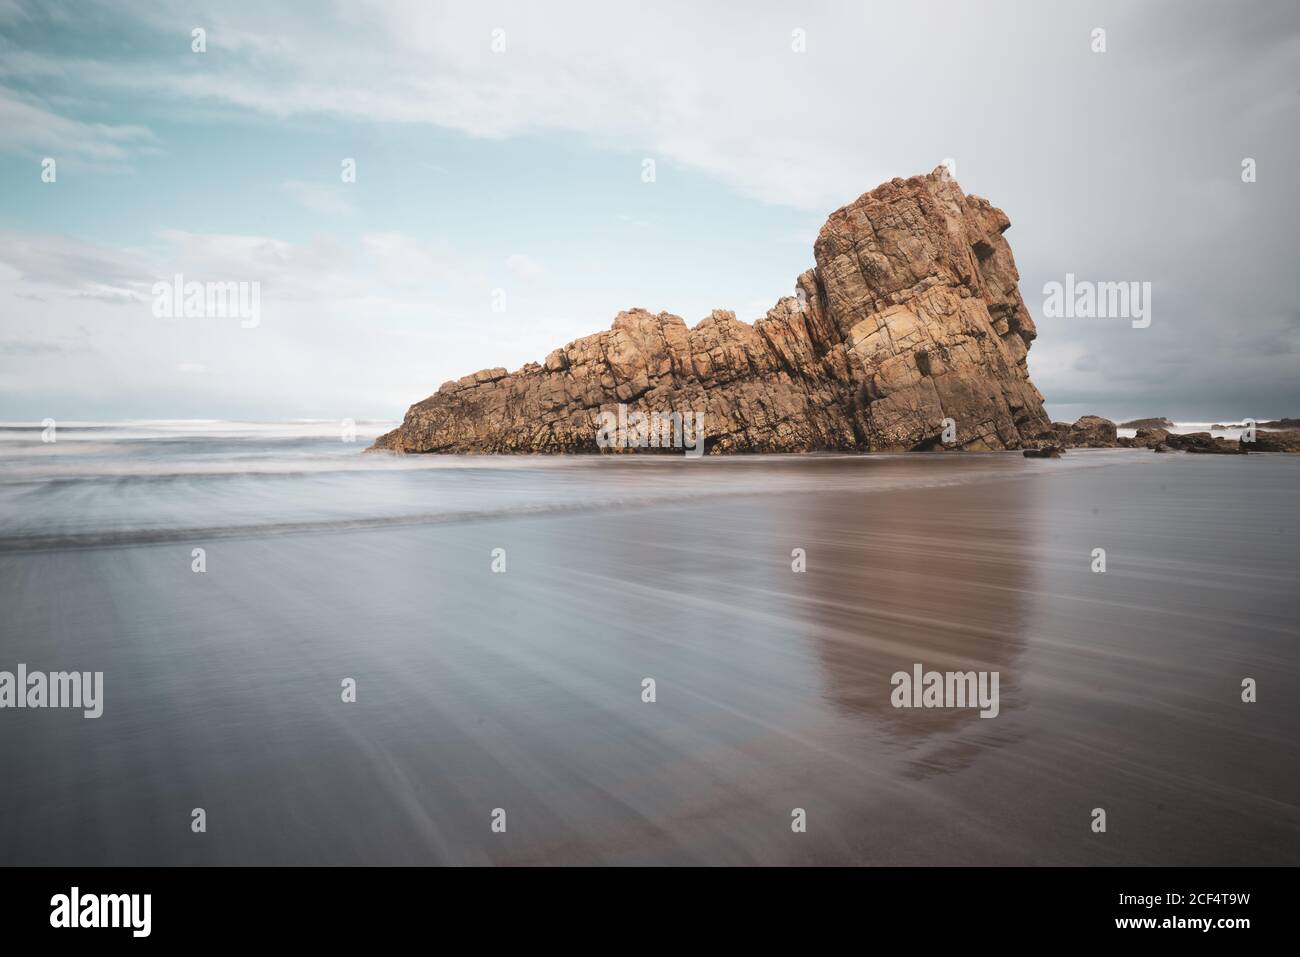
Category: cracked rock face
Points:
column 911, row 317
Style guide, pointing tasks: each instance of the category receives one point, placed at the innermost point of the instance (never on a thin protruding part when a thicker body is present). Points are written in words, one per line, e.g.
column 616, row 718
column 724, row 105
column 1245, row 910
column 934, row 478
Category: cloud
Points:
column 33, row 130
column 320, row 198
column 69, row 340
column 38, row 347
column 37, row 264
column 111, row 294
column 727, row 97
column 406, row 261
column 47, row 264
column 525, row 266
column 321, row 268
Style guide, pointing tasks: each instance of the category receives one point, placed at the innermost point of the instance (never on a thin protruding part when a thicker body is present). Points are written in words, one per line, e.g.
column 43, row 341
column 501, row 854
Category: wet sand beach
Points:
column 523, row 690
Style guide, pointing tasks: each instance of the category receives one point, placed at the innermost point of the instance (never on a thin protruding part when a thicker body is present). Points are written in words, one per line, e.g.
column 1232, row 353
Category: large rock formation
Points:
column 911, row 316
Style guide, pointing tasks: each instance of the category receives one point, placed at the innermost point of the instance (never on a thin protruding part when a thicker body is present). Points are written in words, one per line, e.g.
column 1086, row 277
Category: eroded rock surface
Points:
column 1087, row 432
column 911, row 316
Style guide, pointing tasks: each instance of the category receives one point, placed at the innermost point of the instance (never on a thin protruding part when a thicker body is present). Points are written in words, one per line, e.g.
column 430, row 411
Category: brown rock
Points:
column 1149, row 438
column 1087, row 432
column 1283, row 441
column 911, row 316
column 1157, row 423
column 1204, row 443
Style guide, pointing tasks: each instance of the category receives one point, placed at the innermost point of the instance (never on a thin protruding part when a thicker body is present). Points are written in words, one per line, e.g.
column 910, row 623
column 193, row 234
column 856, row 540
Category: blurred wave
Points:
column 136, row 482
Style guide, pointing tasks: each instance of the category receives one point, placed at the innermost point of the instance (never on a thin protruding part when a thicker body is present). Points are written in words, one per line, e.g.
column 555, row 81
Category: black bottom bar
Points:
column 333, row 905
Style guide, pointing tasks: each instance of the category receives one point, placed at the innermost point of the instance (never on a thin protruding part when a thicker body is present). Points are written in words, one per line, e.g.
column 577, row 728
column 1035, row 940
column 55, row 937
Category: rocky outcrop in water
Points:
column 1204, row 443
column 1160, row 422
column 1286, row 440
column 1087, row 432
column 1145, row 439
column 909, row 333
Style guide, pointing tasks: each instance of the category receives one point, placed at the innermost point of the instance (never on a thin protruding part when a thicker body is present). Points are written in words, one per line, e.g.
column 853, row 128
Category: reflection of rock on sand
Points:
column 934, row 577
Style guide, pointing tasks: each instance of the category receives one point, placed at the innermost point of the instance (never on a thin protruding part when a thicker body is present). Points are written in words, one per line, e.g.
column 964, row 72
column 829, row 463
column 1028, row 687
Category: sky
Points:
column 500, row 206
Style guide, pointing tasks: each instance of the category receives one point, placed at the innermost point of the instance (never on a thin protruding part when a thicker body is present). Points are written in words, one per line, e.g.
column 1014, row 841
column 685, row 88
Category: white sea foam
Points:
column 150, row 480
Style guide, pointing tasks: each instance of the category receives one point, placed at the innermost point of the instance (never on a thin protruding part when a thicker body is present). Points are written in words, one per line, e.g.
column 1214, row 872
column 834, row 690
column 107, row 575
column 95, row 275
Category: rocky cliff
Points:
column 911, row 317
